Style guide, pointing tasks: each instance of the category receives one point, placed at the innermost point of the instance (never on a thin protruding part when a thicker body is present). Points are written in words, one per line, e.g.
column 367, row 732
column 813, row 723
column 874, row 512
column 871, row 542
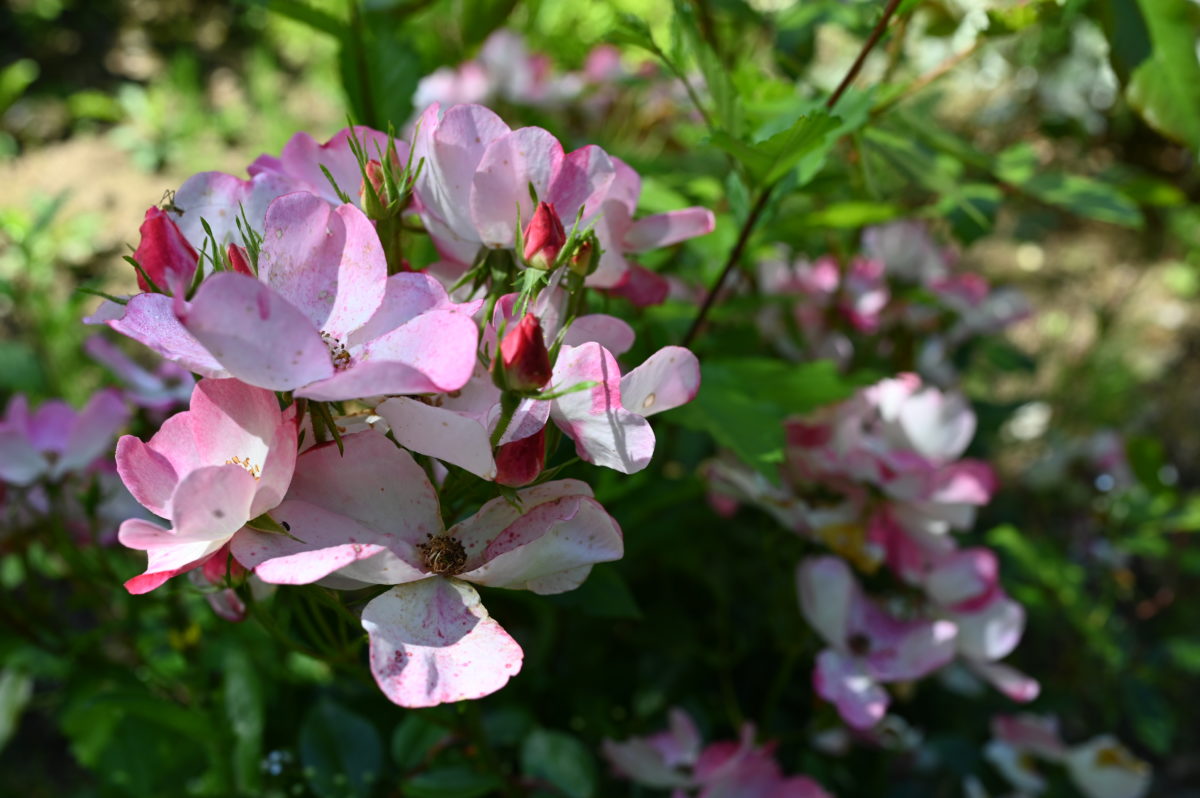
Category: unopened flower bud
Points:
column 523, row 356
column 373, row 199
column 164, row 254
column 520, row 462
column 584, row 259
column 239, row 260
column 544, row 237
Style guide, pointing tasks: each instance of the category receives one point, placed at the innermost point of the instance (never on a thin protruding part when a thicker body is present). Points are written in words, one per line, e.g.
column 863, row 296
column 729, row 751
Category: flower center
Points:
column 338, row 353
column 443, row 554
column 245, row 463
column 1116, row 757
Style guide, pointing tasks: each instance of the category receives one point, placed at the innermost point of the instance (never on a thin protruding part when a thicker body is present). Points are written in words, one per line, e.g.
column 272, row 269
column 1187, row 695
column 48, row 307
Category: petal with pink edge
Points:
column 605, row 433
column 260, row 337
column 150, row 319
column 435, row 431
column 168, row 555
column 845, row 682
column 612, row 333
column 148, row 475
column 584, row 181
column 668, row 378
column 1008, row 680
column 551, row 549
column 432, row 642
column 327, row 262
column 406, row 296
column 212, row 503
column 664, row 229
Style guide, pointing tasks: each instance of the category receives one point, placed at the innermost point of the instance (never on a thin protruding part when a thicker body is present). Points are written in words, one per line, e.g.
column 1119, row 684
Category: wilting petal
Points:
column 453, row 437
column 845, row 682
column 150, row 319
column 605, row 433
column 668, row 378
column 257, row 334
column 664, row 229
column 551, row 548
column 432, row 642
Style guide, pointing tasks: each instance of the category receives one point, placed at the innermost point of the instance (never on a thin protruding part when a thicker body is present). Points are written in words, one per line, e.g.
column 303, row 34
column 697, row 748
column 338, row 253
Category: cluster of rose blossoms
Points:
column 677, row 760
column 901, row 286
column 880, row 480
column 346, row 393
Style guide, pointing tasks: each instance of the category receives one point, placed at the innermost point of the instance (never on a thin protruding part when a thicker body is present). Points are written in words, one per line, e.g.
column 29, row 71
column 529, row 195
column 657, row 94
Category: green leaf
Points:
column 809, row 137
column 1152, row 719
column 340, row 751
column 1165, row 88
column 1184, row 653
column 560, row 759
column 1083, row 196
column 743, row 402
column 450, row 782
column 15, row 79
column 244, row 707
column 413, row 739
column 16, row 688
column 851, row 214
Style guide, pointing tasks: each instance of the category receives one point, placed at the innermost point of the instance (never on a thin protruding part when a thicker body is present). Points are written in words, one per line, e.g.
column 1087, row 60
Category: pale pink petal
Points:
column 1008, row 680
column 916, row 649
column 212, row 503
column 964, row 482
column 433, row 353
column 551, row 548
column 612, row 333
column 827, row 592
column 584, row 181
column 20, row 463
column 256, row 334
column 639, row 761
column 406, row 296
column 668, row 378
column 845, row 682
column 500, row 186
column 797, row 787
column 453, row 437
column 664, row 229
column 432, row 642
column 229, row 417
column 477, row 532
column 150, row 319
column 328, row 263
column 605, row 433
column 221, row 199
column 963, row 576
column 93, row 432
column 167, row 555
column 991, row 632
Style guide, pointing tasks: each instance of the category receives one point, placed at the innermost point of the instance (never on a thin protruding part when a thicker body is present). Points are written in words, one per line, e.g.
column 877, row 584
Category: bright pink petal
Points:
column 256, row 334
column 584, row 181
column 326, row 262
column 605, row 433
column 664, row 229
column 640, row 286
column 168, row 556
column 798, row 787
column 147, row 474
column 432, row 642
column 500, row 186
column 668, row 378
column 551, row 549
column 150, row 319
column 845, row 682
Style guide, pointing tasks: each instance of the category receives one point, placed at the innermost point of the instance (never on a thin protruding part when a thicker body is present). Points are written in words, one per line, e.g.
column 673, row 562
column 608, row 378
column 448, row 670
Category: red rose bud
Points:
column 523, row 356
column 520, row 462
column 544, row 237
column 164, row 254
column 373, row 200
column 239, row 259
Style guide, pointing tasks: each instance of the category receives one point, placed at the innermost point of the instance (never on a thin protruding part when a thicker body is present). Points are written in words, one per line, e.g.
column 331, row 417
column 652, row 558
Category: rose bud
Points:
column 164, row 254
column 523, row 357
column 520, row 462
column 373, row 199
column 239, row 260
column 544, row 237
